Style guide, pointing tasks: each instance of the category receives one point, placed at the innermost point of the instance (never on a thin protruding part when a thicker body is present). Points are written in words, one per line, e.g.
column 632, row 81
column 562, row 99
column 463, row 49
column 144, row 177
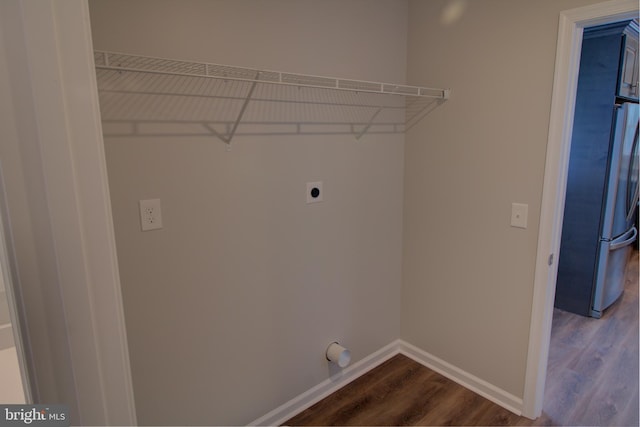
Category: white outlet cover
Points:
column 150, row 215
column 519, row 213
column 314, row 192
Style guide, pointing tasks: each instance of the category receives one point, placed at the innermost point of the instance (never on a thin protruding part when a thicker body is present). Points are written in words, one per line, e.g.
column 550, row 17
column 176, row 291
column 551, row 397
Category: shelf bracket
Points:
column 241, row 113
column 417, row 117
column 368, row 125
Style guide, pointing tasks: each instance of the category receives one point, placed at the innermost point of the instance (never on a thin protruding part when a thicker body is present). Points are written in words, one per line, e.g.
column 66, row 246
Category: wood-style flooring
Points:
column 592, row 380
column 592, row 373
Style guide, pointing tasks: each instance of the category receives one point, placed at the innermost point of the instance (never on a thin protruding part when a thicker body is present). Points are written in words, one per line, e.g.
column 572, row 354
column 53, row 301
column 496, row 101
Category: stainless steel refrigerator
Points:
column 602, row 186
column 585, row 287
column 620, row 204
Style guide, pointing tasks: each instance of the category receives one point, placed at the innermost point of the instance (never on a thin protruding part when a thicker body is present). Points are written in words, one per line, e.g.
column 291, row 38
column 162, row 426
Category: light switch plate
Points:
column 150, row 215
column 519, row 213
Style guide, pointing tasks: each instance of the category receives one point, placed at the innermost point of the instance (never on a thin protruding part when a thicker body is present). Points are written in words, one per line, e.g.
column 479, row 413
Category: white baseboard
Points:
column 465, row 379
column 330, row 385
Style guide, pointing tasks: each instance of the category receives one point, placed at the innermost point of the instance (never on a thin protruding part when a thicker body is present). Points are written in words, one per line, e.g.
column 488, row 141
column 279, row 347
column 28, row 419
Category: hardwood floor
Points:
column 592, row 380
column 403, row 392
column 592, row 375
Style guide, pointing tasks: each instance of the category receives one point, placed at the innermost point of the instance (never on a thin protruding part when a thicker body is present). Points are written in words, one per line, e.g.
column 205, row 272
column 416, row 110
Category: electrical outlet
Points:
column 150, row 214
column 314, row 192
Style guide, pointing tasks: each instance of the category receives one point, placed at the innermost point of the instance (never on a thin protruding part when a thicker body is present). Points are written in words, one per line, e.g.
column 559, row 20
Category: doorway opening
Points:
column 587, row 357
column 570, row 32
column 602, row 186
column 14, row 387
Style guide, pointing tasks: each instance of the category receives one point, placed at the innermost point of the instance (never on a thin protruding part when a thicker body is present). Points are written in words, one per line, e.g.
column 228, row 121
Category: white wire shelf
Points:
column 216, row 99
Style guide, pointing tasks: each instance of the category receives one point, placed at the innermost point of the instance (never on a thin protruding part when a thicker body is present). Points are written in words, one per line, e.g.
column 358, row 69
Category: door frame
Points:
column 570, row 29
column 60, row 95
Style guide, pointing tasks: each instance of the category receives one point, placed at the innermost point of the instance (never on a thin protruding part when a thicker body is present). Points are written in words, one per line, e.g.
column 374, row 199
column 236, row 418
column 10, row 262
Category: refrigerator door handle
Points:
column 632, row 175
column 625, row 240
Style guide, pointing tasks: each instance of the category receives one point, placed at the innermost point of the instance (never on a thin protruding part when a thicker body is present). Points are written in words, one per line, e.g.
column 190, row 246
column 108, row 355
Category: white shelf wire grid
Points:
column 225, row 100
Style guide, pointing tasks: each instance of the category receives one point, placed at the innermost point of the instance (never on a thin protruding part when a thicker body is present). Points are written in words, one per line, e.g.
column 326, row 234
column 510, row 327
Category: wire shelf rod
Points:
column 241, row 98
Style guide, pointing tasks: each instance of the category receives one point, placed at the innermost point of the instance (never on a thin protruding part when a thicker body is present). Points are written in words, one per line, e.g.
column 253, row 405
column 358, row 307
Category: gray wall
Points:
column 467, row 275
column 210, row 305
column 230, row 307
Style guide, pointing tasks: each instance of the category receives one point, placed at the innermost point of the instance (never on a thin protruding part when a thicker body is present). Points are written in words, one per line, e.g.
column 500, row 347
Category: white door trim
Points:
column 572, row 22
column 58, row 49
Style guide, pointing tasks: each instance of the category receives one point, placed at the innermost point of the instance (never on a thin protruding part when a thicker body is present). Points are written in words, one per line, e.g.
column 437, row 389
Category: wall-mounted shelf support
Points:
column 242, row 110
column 134, row 87
column 368, row 125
